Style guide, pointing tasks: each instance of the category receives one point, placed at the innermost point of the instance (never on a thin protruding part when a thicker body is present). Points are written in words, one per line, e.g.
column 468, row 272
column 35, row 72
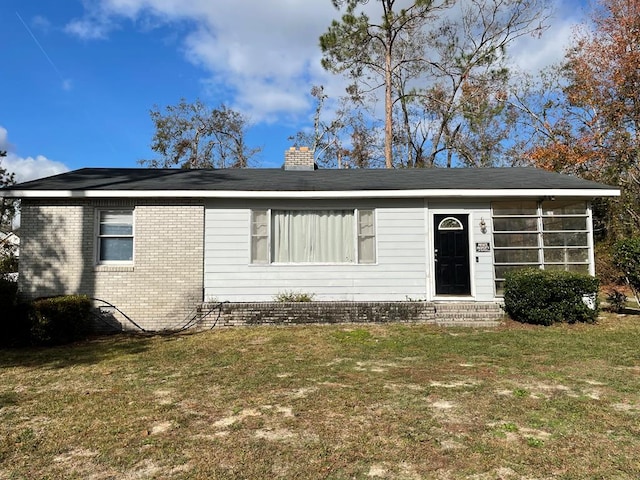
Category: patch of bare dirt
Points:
column 231, row 419
column 377, row 470
column 160, row 427
column 538, row 390
column 164, row 397
column 73, row 454
column 627, row 407
column 401, row 471
column 451, row 445
column 443, row 405
column 302, row 392
column 377, row 367
column 454, row 384
column 275, row 434
column 500, row 473
column 80, row 462
column 594, row 382
column 399, row 387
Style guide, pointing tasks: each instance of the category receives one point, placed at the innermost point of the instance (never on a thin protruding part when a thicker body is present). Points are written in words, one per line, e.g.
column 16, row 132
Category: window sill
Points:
column 302, row 265
column 113, row 268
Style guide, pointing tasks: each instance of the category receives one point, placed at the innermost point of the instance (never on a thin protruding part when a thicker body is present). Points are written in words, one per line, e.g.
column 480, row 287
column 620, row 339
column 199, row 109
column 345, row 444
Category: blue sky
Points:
column 80, row 76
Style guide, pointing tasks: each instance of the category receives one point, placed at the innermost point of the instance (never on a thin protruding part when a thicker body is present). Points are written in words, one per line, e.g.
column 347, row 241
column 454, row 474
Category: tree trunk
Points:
column 412, row 157
column 388, row 111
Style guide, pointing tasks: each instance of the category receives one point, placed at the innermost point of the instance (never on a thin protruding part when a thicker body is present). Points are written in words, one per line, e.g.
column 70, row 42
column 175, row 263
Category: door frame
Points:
column 431, row 238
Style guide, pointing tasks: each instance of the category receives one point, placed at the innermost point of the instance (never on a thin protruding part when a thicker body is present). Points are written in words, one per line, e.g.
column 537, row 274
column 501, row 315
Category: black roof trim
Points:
column 272, row 180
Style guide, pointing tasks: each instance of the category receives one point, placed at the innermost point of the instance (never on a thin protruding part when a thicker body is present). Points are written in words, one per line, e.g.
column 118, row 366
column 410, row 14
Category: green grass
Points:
column 335, row 402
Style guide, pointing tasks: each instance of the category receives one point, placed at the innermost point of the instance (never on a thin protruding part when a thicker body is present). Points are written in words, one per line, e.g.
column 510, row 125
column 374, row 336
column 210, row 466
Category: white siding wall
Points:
column 399, row 272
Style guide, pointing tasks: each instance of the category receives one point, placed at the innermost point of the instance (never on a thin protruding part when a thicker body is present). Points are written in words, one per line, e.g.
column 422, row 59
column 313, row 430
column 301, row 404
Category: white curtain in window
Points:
column 313, row 236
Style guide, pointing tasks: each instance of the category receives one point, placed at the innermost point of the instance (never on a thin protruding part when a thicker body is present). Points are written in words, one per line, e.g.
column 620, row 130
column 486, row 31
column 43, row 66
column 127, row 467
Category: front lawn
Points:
column 336, row 402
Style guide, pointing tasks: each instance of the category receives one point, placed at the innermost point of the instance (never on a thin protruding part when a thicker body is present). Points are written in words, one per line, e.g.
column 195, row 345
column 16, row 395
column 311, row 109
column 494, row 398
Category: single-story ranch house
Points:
column 158, row 243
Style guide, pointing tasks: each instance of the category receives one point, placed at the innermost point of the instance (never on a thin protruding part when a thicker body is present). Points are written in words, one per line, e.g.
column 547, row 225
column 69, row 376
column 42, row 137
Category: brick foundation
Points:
column 283, row 313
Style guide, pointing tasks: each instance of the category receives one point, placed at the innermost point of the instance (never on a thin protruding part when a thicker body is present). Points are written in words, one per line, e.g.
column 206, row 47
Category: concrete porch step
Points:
column 469, row 314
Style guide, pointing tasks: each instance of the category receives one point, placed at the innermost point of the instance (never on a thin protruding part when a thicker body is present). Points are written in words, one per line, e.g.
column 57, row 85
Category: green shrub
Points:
column 544, row 297
column 294, row 297
column 15, row 322
column 8, row 294
column 8, row 264
column 60, row 320
column 19, row 325
column 626, row 256
column 617, row 300
column 606, row 269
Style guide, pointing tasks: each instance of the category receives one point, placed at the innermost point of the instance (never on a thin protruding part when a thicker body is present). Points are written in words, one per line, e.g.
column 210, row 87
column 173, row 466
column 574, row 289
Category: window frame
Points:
column 443, row 227
column 357, row 237
column 253, row 236
column 99, row 236
column 361, row 237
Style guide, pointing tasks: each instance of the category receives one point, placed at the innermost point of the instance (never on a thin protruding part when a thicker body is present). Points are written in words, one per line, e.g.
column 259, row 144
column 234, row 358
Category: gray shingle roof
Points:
column 273, row 180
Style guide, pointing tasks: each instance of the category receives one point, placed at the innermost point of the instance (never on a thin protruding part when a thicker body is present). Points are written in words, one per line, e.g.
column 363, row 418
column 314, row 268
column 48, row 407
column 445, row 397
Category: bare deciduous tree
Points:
column 193, row 135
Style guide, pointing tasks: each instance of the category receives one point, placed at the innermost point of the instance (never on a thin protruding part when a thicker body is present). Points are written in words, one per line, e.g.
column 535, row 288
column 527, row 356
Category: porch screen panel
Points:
column 313, row 236
column 565, row 236
column 549, row 235
column 516, row 242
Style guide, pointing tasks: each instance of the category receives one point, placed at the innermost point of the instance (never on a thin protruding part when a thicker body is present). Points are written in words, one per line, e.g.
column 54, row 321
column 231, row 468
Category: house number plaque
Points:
column 483, row 247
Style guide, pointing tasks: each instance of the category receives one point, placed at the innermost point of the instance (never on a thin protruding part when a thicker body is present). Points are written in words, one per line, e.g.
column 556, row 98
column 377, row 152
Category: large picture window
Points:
column 313, row 236
column 550, row 234
column 115, row 236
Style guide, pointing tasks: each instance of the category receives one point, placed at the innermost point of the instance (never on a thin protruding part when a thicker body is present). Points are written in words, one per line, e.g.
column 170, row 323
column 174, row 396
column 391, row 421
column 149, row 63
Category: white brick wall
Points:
column 161, row 288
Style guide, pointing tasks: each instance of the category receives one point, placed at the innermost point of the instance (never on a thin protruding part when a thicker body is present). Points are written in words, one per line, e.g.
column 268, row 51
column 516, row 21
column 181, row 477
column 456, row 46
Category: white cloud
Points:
column 266, row 53
column 262, row 52
column 31, row 168
column 530, row 54
column 28, row 168
column 4, row 139
column 88, row 29
column 41, row 23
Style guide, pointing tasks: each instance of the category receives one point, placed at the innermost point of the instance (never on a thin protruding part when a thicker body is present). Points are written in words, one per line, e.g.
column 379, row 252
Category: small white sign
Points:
column 483, row 247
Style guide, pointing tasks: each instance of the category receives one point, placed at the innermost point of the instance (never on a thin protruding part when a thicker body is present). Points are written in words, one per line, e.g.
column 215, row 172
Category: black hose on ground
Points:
column 196, row 317
column 111, row 305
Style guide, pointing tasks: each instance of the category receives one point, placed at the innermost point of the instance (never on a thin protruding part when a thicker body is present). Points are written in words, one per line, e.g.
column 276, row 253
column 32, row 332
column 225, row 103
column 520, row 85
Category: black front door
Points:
column 451, row 250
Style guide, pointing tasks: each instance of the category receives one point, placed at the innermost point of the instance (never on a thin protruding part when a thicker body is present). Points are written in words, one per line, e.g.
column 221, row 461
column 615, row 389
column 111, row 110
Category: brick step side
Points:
column 469, row 314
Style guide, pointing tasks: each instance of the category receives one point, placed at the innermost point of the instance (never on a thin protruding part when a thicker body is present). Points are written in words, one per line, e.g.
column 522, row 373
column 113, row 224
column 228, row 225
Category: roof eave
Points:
column 312, row 194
